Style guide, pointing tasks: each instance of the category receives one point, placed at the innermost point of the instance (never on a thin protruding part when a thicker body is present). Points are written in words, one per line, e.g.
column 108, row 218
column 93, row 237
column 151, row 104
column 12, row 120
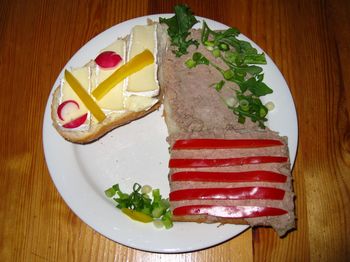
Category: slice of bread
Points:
column 94, row 129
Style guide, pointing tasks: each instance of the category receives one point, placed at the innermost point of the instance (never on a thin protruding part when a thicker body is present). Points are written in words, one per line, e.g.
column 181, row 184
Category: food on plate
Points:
column 178, row 29
column 236, row 60
column 116, row 87
column 143, row 204
column 225, row 164
column 108, row 60
column 230, row 184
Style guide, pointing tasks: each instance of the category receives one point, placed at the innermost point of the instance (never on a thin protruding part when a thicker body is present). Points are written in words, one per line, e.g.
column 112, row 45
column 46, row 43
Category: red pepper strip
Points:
column 228, row 211
column 249, row 176
column 240, row 193
column 224, row 143
column 183, row 163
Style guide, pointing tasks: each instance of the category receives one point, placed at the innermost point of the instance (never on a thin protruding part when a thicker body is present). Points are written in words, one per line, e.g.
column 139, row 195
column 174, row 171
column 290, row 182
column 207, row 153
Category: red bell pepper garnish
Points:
column 228, row 211
column 224, row 143
column 224, row 162
column 248, row 176
column 240, row 193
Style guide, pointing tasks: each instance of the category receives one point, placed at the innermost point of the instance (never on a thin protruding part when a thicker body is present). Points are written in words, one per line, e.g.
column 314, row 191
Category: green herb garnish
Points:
column 197, row 59
column 179, row 29
column 241, row 59
column 153, row 206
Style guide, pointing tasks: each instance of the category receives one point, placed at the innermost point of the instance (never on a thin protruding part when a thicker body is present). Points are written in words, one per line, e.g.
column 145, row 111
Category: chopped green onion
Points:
column 210, row 48
column 116, row 187
column 216, row 52
column 228, row 74
column 156, row 195
column 241, row 119
column 231, row 101
column 140, row 206
column 270, row 106
column 219, row 86
column 263, row 111
column 244, row 104
column 224, row 47
column 209, row 43
column 242, row 60
column 157, row 212
column 190, row 63
column 110, row 192
column 166, row 219
column 146, row 189
column 199, row 58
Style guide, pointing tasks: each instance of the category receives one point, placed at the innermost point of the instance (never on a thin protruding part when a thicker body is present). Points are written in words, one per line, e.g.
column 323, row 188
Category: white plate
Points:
column 138, row 152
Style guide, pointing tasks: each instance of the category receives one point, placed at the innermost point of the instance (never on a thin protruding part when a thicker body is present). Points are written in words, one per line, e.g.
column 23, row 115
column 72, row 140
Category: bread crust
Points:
column 96, row 130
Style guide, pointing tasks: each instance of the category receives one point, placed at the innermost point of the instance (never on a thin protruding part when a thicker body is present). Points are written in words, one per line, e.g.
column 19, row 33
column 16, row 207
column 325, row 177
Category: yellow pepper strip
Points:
column 84, row 96
column 137, row 215
column 134, row 65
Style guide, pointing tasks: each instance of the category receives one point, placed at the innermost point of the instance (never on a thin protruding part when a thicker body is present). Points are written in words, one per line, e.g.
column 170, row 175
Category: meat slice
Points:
column 200, row 188
column 247, row 180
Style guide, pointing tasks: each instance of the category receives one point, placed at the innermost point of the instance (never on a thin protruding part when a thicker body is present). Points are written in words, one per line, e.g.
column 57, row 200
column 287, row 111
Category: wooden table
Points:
column 308, row 40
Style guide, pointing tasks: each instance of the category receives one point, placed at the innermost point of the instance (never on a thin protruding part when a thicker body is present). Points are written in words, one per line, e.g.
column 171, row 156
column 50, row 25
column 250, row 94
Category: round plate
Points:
column 138, row 152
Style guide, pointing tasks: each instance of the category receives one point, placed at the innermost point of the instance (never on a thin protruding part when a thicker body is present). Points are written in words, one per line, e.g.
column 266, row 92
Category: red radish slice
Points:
column 65, row 107
column 108, row 59
column 76, row 122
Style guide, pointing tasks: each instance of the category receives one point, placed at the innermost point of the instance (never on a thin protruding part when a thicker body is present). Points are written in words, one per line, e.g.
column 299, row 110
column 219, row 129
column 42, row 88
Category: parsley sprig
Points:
column 179, row 29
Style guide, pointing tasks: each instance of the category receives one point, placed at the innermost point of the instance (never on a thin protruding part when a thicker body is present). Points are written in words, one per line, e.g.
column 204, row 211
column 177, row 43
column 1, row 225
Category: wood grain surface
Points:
column 308, row 40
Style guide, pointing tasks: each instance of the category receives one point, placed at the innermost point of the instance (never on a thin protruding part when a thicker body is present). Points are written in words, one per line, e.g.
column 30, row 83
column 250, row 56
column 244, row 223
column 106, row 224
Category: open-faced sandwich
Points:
column 226, row 165
column 116, row 87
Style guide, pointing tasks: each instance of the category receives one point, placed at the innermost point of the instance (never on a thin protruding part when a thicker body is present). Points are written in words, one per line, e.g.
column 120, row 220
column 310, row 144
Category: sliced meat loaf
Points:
column 227, row 184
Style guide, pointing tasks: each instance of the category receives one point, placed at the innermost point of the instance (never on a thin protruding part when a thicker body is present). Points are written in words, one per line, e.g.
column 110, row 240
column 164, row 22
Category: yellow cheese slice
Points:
column 143, row 37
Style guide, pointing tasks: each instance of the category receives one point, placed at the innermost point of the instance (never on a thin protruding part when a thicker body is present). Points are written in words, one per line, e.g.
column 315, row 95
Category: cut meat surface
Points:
column 263, row 184
column 220, row 170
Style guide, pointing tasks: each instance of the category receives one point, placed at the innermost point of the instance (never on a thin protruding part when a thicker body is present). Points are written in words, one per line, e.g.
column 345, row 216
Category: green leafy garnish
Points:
column 153, row 206
column 252, row 107
column 218, row 86
column 197, row 59
column 179, row 29
column 256, row 86
column 241, row 59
